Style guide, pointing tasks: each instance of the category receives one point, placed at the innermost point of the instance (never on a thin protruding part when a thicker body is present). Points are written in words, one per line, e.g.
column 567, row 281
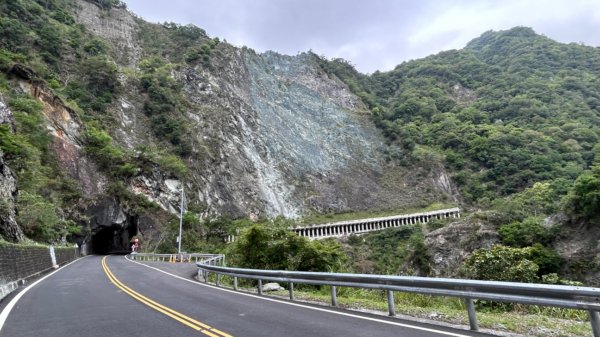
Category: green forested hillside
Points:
column 511, row 109
column 515, row 118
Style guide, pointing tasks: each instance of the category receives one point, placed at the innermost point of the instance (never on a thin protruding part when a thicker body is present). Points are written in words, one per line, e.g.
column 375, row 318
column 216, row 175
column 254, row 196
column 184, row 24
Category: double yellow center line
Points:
column 192, row 323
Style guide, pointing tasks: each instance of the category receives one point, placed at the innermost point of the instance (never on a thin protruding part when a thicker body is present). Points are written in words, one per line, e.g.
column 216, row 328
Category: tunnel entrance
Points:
column 113, row 240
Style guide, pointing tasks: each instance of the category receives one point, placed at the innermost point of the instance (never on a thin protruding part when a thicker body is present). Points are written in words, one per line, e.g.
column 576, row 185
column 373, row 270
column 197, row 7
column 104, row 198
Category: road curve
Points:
column 124, row 298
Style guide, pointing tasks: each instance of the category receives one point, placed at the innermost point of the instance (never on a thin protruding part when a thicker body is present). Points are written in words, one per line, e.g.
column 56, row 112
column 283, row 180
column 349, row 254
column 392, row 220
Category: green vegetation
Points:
column 522, row 319
column 43, row 40
column 390, row 252
column 165, row 104
column 511, row 109
column 44, row 188
column 584, row 198
column 198, row 236
column 272, row 246
column 515, row 118
column 512, row 264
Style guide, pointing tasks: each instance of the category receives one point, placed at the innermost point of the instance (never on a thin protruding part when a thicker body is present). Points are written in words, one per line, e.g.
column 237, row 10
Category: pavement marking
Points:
column 190, row 322
column 441, row 332
column 4, row 314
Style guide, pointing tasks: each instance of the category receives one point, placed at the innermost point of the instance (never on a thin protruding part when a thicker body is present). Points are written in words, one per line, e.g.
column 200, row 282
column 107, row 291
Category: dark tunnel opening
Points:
column 113, row 240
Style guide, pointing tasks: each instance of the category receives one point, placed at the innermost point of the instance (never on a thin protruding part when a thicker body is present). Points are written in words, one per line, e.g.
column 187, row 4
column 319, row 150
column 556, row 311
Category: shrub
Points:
column 525, row 233
column 547, row 259
column 501, row 263
column 584, row 198
column 272, row 246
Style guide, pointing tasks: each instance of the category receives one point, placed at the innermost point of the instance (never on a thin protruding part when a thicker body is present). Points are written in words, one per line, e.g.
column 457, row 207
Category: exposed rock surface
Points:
column 66, row 127
column 451, row 244
column 273, row 134
column 272, row 286
column 118, row 26
column 9, row 229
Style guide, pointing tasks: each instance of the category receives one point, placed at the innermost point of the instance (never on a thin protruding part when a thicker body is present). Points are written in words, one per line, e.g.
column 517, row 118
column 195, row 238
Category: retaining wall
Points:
column 20, row 263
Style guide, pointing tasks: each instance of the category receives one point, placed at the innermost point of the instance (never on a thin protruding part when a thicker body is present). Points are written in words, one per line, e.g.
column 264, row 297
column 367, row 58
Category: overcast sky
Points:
column 373, row 34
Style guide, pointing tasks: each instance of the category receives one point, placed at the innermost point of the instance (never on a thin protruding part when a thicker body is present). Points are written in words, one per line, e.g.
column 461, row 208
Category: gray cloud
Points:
column 375, row 34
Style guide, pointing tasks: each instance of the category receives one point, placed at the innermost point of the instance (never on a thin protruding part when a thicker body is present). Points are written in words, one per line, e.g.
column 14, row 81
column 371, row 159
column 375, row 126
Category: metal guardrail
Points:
column 183, row 257
column 582, row 298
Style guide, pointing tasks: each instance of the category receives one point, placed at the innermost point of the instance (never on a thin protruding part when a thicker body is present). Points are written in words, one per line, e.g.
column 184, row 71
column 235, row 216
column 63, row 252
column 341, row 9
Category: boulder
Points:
column 272, row 286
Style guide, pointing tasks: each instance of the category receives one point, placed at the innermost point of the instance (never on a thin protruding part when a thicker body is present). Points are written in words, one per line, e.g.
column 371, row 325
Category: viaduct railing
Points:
column 344, row 228
column 581, row 298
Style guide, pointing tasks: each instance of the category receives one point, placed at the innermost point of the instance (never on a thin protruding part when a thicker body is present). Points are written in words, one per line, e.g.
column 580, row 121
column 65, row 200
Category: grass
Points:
column 521, row 319
column 335, row 217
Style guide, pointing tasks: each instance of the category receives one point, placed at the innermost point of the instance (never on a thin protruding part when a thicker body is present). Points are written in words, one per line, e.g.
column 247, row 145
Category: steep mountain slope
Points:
column 136, row 110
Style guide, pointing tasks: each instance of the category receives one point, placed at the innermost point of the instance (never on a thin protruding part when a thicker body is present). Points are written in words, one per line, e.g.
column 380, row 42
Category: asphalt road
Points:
column 118, row 297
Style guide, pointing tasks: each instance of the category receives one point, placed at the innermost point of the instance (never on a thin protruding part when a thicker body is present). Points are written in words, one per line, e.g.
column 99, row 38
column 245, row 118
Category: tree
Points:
column 501, row 263
column 525, row 233
column 273, row 246
column 584, row 198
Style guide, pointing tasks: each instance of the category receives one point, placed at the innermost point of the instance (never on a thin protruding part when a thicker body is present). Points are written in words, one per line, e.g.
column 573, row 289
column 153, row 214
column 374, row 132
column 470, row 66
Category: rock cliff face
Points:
column 8, row 187
column 450, row 245
column 273, row 134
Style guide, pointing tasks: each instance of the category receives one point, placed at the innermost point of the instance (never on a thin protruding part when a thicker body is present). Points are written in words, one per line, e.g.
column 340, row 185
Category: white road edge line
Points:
column 4, row 314
column 305, row 306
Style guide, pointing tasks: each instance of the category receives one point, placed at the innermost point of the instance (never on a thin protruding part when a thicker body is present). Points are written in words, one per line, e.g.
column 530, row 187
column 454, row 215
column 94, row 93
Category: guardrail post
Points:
column 260, row 287
column 333, row 296
column 472, row 315
column 235, row 283
column 291, row 291
column 595, row 320
column 218, row 279
column 391, row 304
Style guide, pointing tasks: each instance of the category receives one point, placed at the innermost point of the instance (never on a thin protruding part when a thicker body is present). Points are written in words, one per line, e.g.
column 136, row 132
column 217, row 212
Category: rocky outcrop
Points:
column 9, row 229
column 115, row 24
column 271, row 134
column 450, row 245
